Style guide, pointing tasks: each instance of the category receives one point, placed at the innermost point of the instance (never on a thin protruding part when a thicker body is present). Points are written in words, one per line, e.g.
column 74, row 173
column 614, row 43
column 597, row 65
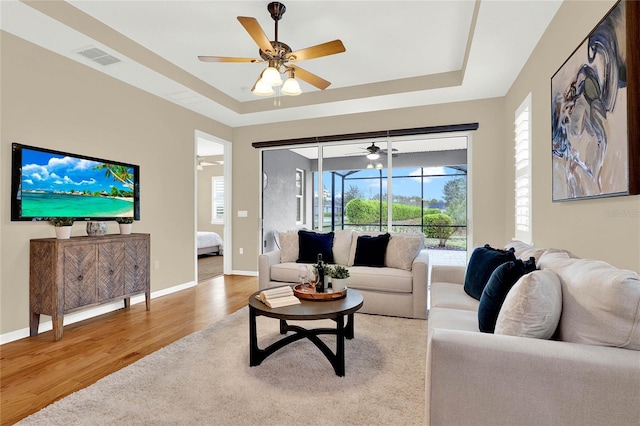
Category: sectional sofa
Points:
column 587, row 373
column 396, row 288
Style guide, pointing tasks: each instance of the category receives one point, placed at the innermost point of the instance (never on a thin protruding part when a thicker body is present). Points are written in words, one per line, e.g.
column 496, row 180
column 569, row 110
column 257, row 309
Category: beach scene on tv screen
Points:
column 55, row 185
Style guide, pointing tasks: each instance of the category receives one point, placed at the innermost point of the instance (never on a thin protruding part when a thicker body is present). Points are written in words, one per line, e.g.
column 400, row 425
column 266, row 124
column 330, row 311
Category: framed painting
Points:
column 595, row 135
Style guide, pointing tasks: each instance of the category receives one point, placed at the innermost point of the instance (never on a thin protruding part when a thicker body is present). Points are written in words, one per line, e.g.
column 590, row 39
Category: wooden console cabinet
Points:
column 73, row 274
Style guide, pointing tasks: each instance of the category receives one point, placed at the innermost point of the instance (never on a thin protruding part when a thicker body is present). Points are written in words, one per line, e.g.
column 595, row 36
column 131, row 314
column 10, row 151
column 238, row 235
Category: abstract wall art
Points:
column 594, row 106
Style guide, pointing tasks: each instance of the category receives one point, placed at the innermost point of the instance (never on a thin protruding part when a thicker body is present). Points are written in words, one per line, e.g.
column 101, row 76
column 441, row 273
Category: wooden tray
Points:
column 309, row 293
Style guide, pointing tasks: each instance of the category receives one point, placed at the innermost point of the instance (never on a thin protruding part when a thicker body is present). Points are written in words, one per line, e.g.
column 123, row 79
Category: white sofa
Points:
column 587, row 374
column 395, row 291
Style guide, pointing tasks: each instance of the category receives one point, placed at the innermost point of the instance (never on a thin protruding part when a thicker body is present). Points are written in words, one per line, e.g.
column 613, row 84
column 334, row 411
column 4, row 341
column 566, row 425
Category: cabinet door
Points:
column 137, row 266
column 110, row 270
column 79, row 276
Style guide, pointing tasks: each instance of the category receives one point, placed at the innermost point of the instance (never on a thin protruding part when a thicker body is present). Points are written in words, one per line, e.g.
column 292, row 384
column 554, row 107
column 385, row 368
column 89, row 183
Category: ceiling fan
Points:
column 202, row 162
column 280, row 57
column 374, row 152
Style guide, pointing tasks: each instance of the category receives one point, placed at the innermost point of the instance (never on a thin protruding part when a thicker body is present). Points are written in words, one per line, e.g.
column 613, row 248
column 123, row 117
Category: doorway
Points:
column 213, row 199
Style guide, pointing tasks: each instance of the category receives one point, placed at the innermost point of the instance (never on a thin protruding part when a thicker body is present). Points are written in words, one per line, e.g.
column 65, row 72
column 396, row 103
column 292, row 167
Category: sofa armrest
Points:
column 420, row 283
column 487, row 379
column 265, row 261
column 448, row 274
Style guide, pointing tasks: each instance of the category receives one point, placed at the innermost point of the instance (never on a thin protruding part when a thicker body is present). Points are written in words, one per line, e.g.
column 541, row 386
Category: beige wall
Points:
column 607, row 228
column 54, row 102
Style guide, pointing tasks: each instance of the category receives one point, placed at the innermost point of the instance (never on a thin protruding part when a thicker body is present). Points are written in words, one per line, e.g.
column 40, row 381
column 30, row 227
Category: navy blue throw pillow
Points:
column 310, row 244
column 370, row 250
column 500, row 282
column 482, row 263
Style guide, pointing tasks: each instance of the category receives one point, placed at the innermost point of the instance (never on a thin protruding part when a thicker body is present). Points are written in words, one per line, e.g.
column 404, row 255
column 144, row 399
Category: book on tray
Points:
column 278, row 297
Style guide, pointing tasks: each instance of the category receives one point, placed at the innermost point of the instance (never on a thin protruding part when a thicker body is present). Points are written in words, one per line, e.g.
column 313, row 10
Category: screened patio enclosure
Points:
column 412, row 185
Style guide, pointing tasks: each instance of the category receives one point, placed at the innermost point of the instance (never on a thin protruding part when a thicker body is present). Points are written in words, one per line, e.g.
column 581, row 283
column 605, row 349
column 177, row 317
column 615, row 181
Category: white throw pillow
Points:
column 523, row 250
column 289, row 246
column 341, row 246
column 518, row 247
column 532, row 307
column 402, row 250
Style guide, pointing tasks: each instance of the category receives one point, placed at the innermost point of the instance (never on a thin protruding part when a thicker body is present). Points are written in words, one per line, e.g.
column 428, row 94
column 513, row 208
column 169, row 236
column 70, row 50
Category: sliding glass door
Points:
column 410, row 185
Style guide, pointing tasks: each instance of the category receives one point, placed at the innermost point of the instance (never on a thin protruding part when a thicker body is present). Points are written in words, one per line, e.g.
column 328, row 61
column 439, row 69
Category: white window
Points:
column 299, row 196
column 523, row 172
column 217, row 199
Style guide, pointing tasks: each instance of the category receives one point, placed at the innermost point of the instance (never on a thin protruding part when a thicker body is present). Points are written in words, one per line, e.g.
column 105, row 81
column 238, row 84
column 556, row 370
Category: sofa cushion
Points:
column 451, row 295
column 403, row 249
column 289, row 246
column 313, row 243
column 285, row 272
column 453, row 319
column 482, row 263
column 600, row 303
column 494, row 293
column 380, row 279
column 341, row 246
column 361, row 277
column 370, row 250
column 532, row 307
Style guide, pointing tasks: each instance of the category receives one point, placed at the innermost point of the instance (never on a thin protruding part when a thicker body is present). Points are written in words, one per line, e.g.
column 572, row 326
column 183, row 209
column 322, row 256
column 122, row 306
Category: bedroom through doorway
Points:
column 212, row 178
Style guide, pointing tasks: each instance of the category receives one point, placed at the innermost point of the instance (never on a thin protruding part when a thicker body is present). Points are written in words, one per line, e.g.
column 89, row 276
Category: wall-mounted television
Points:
column 46, row 184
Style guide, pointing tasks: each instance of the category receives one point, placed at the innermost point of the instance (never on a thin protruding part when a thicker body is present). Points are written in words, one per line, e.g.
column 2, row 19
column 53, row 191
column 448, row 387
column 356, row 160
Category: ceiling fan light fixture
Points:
column 279, row 55
column 379, row 166
column 291, row 87
column 262, row 88
column 271, row 76
column 369, row 166
column 373, row 156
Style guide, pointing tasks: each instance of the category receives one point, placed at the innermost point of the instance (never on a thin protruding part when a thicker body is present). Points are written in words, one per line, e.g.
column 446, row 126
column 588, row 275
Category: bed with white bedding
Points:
column 209, row 243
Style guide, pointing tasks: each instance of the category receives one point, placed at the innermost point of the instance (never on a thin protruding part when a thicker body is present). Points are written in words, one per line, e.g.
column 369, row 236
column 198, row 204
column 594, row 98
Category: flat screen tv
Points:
column 46, row 184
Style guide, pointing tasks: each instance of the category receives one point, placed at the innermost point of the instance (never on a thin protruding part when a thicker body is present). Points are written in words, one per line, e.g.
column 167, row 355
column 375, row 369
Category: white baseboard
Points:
column 246, row 273
column 92, row 312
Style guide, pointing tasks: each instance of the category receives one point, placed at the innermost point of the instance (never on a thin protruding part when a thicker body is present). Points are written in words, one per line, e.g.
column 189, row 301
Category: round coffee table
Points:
column 307, row 310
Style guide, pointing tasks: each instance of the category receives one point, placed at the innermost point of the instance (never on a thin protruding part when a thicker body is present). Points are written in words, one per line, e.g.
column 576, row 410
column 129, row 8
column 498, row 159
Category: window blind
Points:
column 522, row 141
column 217, row 199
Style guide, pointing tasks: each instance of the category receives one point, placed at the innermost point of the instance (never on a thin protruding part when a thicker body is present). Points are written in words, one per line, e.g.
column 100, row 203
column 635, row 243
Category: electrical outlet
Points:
column 241, row 250
column 156, row 265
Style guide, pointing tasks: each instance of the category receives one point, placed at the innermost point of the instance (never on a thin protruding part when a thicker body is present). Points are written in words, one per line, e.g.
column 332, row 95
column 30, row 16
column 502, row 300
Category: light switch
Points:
column 242, row 213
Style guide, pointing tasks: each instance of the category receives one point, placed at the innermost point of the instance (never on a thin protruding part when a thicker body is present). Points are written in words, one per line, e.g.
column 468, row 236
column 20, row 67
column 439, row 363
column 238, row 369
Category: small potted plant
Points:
column 124, row 223
column 62, row 226
column 339, row 275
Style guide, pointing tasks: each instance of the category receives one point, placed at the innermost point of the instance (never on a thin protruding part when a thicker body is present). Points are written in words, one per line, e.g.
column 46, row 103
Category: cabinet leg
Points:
column 57, row 327
column 34, row 323
column 147, row 299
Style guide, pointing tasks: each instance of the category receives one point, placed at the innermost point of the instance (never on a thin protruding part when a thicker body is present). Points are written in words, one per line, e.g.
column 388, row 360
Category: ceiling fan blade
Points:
column 310, row 78
column 324, row 49
column 257, row 34
column 227, row 59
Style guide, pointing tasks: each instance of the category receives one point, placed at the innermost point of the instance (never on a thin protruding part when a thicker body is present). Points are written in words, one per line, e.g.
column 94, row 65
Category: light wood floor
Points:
column 36, row 371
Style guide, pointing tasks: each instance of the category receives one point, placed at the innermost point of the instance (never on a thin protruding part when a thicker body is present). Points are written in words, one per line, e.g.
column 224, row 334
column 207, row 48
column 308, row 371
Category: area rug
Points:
column 205, row 378
column 209, row 267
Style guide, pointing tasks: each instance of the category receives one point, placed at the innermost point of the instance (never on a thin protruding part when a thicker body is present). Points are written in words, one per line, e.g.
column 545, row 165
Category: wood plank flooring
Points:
column 36, row 371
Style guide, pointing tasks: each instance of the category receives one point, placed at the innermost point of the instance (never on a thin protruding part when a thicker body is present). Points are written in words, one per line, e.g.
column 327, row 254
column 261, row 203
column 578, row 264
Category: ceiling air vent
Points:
column 99, row 56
